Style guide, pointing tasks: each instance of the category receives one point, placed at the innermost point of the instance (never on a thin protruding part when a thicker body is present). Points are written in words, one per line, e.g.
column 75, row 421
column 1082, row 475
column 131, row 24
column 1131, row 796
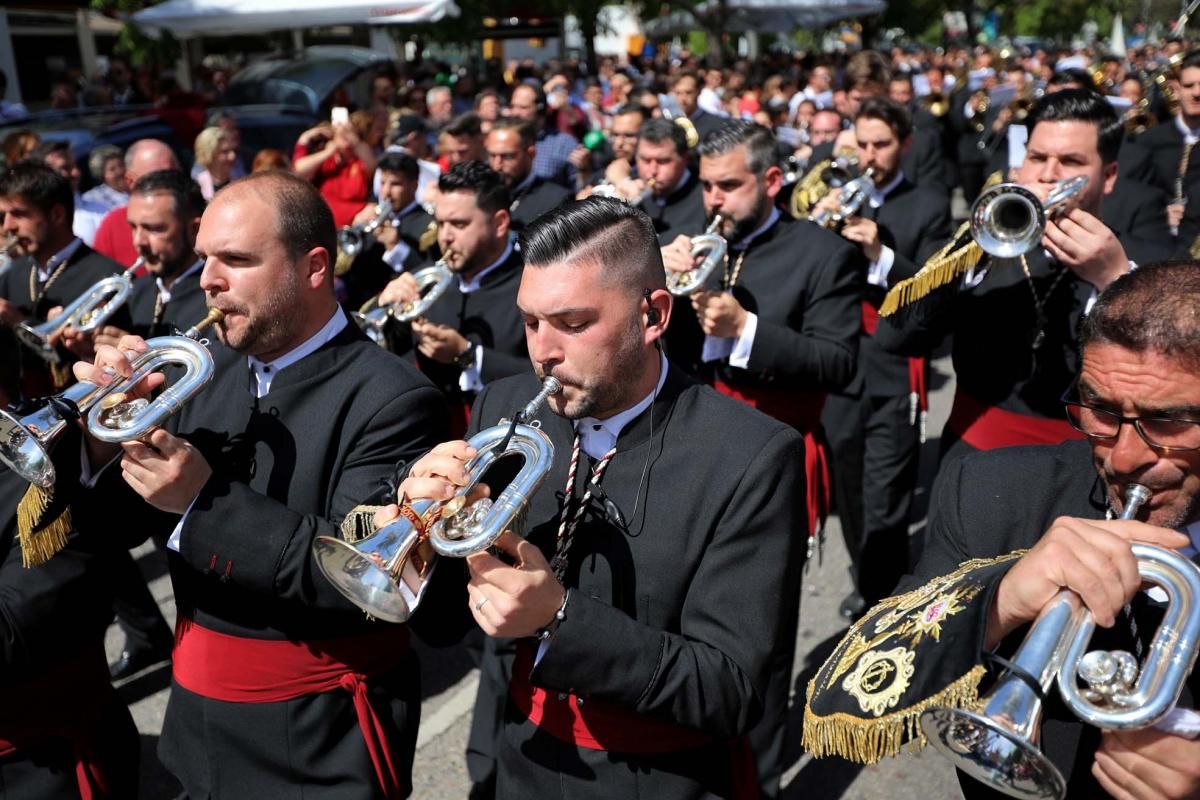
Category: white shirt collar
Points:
column 880, row 194
column 748, row 240
column 58, row 258
column 466, row 287
column 598, row 436
column 164, row 291
column 1190, row 135
column 265, row 372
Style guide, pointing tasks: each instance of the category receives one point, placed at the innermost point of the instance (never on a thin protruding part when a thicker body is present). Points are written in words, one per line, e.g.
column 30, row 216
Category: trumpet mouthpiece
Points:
column 1136, row 495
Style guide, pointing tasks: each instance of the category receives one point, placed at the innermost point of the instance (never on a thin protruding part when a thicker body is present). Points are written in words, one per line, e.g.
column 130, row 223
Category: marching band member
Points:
column 1011, row 528
column 512, row 148
column 675, row 201
column 282, row 683
column 653, row 656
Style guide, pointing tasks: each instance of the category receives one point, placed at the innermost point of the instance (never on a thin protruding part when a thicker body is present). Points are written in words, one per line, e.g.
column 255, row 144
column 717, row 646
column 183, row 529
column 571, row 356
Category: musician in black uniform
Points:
column 686, row 91
column 655, row 651
column 778, row 331
column 473, row 333
column 51, row 267
column 874, row 425
column 405, row 242
column 64, row 732
column 511, row 147
column 1137, row 398
column 1014, row 321
column 675, row 202
column 281, row 686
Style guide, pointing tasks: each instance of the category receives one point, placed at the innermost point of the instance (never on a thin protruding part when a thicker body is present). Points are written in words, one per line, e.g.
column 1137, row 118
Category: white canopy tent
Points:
column 768, row 16
column 186, row 18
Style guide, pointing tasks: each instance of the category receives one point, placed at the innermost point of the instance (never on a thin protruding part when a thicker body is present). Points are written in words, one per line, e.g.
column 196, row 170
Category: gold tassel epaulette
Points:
column 957, row 258
column 1194, row 250
column 61, row 375
column 343, row 263
column 39, row 539
column 359, row 523
column 809, row 190
column 909, row 653
column 994, row 179
column 428, row 237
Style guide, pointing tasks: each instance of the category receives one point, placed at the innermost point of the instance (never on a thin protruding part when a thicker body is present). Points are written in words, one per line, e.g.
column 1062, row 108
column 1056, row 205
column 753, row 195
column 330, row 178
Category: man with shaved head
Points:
column 114, row 237
column 283, row 684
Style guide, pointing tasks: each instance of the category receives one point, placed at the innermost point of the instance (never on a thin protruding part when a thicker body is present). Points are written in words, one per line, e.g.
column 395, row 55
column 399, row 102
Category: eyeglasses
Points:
column 1161, row 433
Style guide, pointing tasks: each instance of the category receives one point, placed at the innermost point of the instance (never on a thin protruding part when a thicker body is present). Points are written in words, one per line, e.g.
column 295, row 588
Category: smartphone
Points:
column 340, row 115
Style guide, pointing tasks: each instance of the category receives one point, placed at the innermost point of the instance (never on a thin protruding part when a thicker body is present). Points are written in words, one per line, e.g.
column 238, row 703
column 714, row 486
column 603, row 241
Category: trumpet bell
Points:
column 23, row 453
column 385, row 574
column 992, row 754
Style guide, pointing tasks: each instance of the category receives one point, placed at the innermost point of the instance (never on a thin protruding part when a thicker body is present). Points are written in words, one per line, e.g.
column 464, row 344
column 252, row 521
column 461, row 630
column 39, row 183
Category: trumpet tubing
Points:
column 353, row 238
column 712, row 246
column 432, row 283
column 1008, row 220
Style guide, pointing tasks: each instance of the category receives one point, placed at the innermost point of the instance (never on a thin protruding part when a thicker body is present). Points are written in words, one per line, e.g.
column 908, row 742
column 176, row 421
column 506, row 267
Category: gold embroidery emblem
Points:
column 880, row 678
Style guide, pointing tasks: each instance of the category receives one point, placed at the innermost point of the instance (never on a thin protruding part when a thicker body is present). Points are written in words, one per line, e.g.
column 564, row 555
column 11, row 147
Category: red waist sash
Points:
column 234, row 669
column 988, row 427
column 801, row 410
column 64, row 702
column 597, row 725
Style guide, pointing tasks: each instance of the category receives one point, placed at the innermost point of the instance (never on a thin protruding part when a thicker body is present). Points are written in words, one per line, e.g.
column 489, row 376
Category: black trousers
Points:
column 875, row 452
column 136, row 609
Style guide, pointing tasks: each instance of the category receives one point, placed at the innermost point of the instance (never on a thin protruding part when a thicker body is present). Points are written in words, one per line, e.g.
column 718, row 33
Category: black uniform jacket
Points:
column 681, row 215
column 676, row 602
column 1156, row 155
column 805, row 285
column 923, row 163
column 992, row 503
column 186, row 307
column 534, row 200
column 286, row 468
column 706, row 123
column 1136, row 211
column 487, row 316
column 914, row 222
column 994, row 326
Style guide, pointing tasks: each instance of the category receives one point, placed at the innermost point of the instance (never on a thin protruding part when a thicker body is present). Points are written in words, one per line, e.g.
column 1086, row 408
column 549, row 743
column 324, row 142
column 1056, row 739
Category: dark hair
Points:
column 616, row 235
column 659, row 129
column 467, row 124
column 524, row 128
column 901, row 77
column 1081, row 105
column 185, row 193
column 1075, row 76
column 46, row 148
column 892, row 114
column 759, row 141
column 630, row 108
column 402, row 163
column 304, row 218
column 539, row 96
column 864, row 68
column 1152, row 309
column 1192, row 59
column 686, row 74
column 488, row 186
column 40, row 186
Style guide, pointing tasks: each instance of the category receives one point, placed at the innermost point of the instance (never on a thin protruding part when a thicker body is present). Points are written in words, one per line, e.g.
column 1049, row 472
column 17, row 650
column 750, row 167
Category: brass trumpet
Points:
column 353, row 238
column 25, row 441
column 854, row 196
column 712, row 246
column 386, row 574
column 432, row 283
column 999, row 745
column 1008, row 220
column 85, row 313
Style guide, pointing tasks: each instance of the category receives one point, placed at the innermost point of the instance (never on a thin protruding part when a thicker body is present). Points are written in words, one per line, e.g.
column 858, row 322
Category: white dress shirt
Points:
column 471, row 378
column 738, row 348
column 396, row 256
column 878, row 270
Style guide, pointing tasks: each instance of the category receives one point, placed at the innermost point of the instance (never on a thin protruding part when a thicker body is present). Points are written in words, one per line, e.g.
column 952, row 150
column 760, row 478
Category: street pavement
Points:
column 449, row 681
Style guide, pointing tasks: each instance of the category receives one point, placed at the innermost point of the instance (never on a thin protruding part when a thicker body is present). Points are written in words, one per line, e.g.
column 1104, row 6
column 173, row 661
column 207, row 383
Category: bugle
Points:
column 854, row 196
column 709, row 244
column 1008, row 220
column 432, row 283
column 353, row 238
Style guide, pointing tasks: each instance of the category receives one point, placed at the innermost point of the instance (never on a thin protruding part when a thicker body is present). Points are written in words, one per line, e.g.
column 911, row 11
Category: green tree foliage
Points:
column 132, row 43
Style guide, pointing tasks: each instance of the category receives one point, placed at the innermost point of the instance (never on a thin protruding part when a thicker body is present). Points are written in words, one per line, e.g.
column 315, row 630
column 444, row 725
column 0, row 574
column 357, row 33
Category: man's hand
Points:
column 1090, row 557
column 366, row 215
column 677, row 256
column 864, row 233
column 617, row 171
column 1087, row 246
column 168, row 472
column 387, row 235
column 437, row 475
column 1148, row 765
column 438, row 342
column 10, row 314
column 108, row 336
column 400, row 289
column 581, row 159
column 114, row 363
column 513, row 601
column 719, row 313
column 1175, row 215
column 81, row 345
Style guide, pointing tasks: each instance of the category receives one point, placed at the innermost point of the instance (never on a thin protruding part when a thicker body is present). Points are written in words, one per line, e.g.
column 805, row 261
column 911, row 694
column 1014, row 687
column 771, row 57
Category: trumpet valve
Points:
column 118, row 412
column 1110, row 676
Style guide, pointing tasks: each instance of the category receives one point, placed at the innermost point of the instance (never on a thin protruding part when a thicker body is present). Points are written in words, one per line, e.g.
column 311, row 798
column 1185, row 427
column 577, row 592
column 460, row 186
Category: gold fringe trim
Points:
column 809, row 190
column 952, row 261
column 61, row 374
column 359, row 523
column 429, row 237
column 40, row 543
column 1194, row 250
column 866, row 741
column 995, row 178
column 343, row 263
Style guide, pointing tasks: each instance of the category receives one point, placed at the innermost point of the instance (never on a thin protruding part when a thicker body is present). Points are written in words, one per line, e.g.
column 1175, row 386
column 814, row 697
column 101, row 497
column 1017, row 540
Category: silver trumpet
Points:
column 85, row 313
column 353, row 238
column 999, row 745
column 854, row 196
column 1008, row 220
column 432, row 283
column 712, row 246
column 116, row 418
column 25, row 442
column 386, row 574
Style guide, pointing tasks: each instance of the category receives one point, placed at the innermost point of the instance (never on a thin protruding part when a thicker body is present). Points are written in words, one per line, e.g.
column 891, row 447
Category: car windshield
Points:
column 297, row 83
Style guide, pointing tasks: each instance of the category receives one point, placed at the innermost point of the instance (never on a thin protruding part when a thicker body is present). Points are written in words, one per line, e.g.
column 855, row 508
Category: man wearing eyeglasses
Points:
column 1011, row 528
column 511, row 148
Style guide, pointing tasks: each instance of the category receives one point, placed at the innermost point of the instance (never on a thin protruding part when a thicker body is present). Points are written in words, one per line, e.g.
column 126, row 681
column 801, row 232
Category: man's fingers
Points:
column 428, row 489
column 1133, row 531
column 165, row 443
column 386, row 516
column 1112, row 778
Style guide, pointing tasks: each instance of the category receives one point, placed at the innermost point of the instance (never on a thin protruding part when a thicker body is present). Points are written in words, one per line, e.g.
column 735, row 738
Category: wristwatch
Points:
column 466, row 359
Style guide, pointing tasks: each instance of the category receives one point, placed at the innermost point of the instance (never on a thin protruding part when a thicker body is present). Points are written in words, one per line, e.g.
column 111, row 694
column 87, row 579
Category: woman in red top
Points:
column 340, row 160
